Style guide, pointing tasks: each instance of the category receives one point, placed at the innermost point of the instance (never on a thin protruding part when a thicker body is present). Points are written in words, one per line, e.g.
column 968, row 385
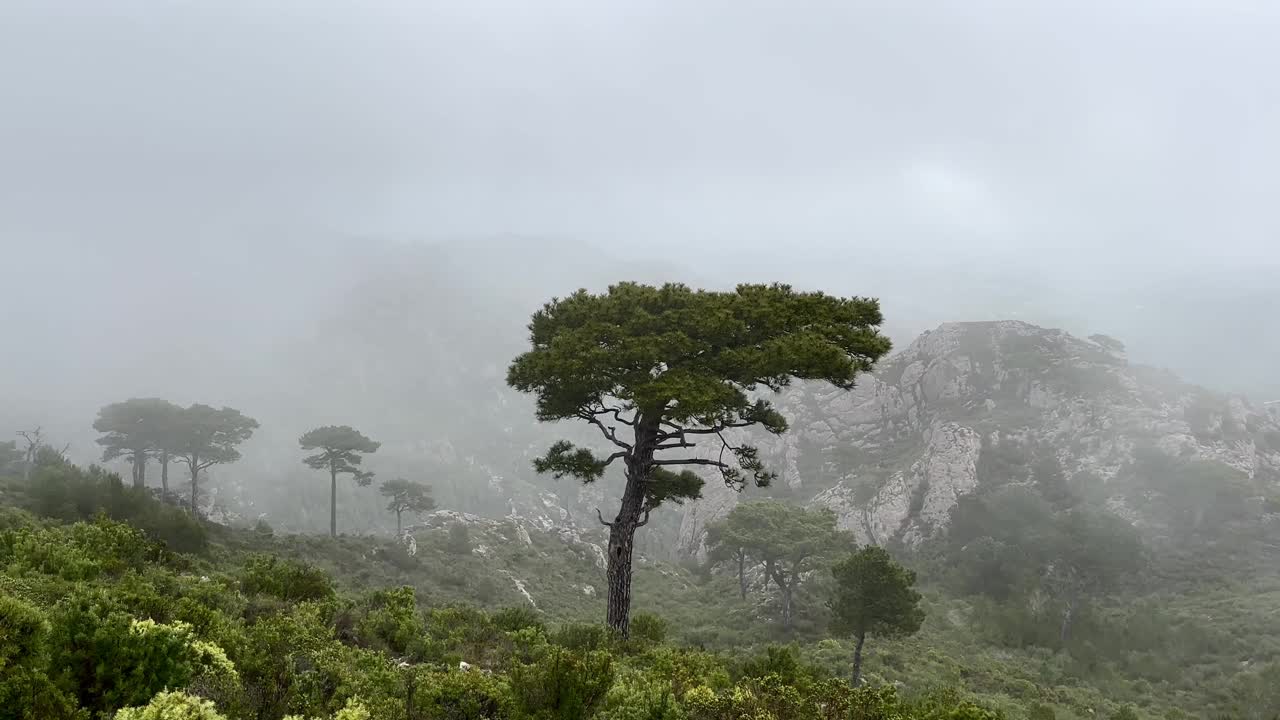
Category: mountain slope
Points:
column 970, row 405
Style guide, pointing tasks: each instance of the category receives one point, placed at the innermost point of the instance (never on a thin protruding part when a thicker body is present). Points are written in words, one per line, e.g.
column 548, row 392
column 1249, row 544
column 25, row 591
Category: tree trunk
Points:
column 164, row 473
column 622, row 531
column 140, row 469
column 857, row 659
column 195, row 478
column 622, row 535
column 1065, row 632
column 786, row 586
column 742, row 574
column 408, row 695
column 399, row 526
column 786, row 607
column 333, row 501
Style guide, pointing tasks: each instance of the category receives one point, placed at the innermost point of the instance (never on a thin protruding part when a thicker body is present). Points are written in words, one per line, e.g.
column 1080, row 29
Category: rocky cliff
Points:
column 970, row 404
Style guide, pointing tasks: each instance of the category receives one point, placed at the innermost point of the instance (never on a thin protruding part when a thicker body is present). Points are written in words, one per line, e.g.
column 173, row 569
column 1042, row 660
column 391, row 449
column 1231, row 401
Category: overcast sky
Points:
column 1016, row 129
column 962, row 159
column 1095, row 165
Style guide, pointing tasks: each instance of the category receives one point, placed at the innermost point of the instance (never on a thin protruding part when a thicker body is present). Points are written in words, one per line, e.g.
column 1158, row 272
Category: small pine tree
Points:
column 874, row 596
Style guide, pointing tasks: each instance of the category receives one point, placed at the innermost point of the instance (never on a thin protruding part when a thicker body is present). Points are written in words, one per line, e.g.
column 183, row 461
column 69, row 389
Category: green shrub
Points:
column 648, row 628
column 26, row 693
column 582, row 637
column 109, row 659
column 391, row 620
column 518, row 618
column 287, row 580
column 172, row 706
column 461, row 695
column 562, row 685
column 459, row 540
column 70, row 493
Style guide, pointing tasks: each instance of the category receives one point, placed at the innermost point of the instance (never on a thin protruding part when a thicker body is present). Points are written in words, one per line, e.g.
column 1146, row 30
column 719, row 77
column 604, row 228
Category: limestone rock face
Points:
column 893, row 456
column 915, row 504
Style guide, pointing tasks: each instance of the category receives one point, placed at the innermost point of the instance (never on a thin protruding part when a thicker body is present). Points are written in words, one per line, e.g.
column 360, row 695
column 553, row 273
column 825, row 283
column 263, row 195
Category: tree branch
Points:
column 602, row 520
column 609, row 433
column 617, row 415
column 711, row 430
column 645, row 520
column 692, row 461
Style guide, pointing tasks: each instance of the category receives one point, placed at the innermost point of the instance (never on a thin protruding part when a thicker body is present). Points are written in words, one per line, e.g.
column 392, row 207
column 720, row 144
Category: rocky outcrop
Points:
column 892, row 457
column 911, row 505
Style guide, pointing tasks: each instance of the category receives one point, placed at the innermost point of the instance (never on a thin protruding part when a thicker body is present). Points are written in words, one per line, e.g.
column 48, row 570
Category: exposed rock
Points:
column 410, row 544
column 893, row 456
column 948, row 471
column 521, row 588
column 717, row 501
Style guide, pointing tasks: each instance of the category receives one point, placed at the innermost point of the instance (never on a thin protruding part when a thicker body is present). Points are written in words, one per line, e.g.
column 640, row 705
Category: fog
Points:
column 249, row 202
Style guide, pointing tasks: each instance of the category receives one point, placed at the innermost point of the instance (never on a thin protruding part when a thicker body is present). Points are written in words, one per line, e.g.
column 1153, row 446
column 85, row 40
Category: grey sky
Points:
column 954, row 157
column 977, row 128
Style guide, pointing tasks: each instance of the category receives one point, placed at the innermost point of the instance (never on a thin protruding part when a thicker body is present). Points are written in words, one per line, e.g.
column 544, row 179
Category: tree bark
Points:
column 622, row 531
column 786, row 608
column 742, row 574
column 164, row 473
column 399, row 526
column 195, row 478
column 139, row 469
column 857, row 659
column 786, row 586
column 622, row 535
column 333, row 501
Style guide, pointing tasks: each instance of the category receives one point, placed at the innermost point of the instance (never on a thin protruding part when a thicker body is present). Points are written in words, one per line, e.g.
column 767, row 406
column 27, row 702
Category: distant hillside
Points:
column 974, row 405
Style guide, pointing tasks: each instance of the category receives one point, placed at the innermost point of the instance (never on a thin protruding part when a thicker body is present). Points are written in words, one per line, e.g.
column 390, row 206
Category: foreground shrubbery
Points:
column 102, row 619
column 99, row 620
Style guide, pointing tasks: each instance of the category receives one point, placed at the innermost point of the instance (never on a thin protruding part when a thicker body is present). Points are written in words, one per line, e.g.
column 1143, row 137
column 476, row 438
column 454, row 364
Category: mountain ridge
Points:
column 894, row 455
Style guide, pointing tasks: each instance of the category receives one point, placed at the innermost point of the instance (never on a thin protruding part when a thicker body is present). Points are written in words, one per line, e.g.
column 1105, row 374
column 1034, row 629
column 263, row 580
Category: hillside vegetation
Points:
column 111, row 597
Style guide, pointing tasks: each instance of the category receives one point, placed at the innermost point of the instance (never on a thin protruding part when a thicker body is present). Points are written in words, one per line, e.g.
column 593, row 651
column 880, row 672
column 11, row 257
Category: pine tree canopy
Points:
column 686, row 363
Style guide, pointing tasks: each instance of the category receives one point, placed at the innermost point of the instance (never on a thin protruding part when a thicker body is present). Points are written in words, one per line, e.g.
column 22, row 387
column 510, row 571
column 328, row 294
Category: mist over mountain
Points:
column 410, row 340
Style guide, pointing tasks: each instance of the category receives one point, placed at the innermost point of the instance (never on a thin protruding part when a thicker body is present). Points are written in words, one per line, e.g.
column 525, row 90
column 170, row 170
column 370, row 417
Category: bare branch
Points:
column 617, row 415
column 681, row 444
column 692, row 461
column 723, row 444
column 602, row 520
column 600, row 408
column 610, row 433
column 644, row 521
column 712, row 430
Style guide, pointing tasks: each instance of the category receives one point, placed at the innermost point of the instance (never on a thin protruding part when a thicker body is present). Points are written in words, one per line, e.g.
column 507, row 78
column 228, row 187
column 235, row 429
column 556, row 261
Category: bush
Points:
column 110, row 660
column 70, row 493
column 285, row 579
column 26, row 693
column 518, row 618
column 562, row 685
column 459, row 540
column 648, row 628
column 460, row 695
column 782, row 661
column 391, row 621
column 172, row 706
column 79, row 552
column 582, row 637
